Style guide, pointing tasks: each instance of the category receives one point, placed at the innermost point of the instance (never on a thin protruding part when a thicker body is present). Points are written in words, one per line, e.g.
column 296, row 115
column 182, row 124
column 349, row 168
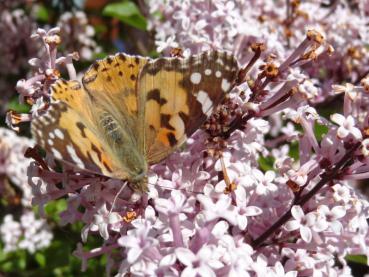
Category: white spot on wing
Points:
column 177, row 122
column 218, row 74
column 43, row 120
column 42, row 141
column 59, row 133
column 195, row 78
column 56, row 154
column 207, row 72
column 219, row 61
column 197, row 61
column 51, row 135
column 207, row 104
column 50, row 142
column 225, row 85
column 75, row 158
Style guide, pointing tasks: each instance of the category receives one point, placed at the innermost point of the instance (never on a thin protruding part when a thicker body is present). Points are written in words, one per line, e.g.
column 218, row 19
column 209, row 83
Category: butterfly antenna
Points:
column 116, row 196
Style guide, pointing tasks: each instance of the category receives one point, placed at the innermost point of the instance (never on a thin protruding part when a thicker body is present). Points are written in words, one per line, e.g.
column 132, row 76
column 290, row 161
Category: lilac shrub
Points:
column 281, row 25
column 212, row 209
column 15, row 29
column 30, row 233
column 13, row 165
column 76, row 33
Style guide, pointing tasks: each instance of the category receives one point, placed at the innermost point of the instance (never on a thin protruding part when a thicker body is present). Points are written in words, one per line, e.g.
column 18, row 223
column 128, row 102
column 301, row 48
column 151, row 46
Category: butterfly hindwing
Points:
column 177, row 95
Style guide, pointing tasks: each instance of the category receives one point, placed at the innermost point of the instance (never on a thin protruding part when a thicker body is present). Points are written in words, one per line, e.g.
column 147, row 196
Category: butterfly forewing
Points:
column 177, row 95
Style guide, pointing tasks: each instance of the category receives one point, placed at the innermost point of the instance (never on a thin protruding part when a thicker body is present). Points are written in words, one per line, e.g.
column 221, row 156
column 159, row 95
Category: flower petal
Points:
column 185, row 256
column 297, row 212
column 305, row 233
column 292, row 225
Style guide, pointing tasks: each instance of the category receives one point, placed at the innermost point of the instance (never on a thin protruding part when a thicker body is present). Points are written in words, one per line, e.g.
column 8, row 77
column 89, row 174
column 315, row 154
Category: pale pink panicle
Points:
column 76, row 33
column 30, row 233
column 15, row 48
column 104, row 219
column 202, row 25
column 13, row 164
column 11, row 233
column 302, row 222
column 45, row 71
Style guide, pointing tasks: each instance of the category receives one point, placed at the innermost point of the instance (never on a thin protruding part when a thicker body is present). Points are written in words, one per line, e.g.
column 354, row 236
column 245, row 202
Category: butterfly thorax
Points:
column 124, row 148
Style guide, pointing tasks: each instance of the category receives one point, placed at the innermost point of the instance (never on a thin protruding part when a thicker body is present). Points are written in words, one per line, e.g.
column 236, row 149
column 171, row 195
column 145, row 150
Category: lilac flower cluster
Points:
column 211, row 210
column 13, row 164
column 281, row 25
column 76, row 33
column 34, row 89
column 30, row 233
column 15, row 29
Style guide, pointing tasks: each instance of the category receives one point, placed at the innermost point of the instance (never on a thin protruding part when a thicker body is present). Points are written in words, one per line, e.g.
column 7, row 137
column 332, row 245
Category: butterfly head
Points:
column 139, row 183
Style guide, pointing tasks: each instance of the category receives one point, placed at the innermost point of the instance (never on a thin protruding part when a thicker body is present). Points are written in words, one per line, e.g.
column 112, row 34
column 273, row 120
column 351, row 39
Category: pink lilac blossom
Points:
column 16, row 27
column 15, row 30
column 234, row 25
column 45, row 72
column 29, row 233
column 210, row 209
column 13, row 164
column 76, row 33
column 15, row 49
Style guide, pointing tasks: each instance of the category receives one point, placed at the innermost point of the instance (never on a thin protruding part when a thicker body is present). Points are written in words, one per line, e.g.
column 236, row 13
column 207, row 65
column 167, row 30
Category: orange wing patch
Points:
column 116, row 77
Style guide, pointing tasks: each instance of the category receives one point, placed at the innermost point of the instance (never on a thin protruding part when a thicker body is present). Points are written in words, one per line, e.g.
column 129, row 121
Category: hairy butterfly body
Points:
column 131, row 111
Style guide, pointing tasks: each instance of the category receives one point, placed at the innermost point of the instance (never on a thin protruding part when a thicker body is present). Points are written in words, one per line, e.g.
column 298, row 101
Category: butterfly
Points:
column 131, row 111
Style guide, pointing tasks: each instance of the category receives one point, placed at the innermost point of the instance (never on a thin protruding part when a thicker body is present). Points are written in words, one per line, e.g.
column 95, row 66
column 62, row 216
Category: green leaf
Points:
column 320, row 131
column 53, row 209
column 153, row 54
column 17, row 107
column 100, row 55
column 42, row 13
column 266, row 163
column 128, row 13
column 360, row 259
column 41, row 259
column 21, row 262
column 294, row 151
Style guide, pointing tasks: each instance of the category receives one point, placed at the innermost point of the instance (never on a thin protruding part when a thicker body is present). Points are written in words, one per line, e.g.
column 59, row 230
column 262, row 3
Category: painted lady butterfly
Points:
column 132, row 111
